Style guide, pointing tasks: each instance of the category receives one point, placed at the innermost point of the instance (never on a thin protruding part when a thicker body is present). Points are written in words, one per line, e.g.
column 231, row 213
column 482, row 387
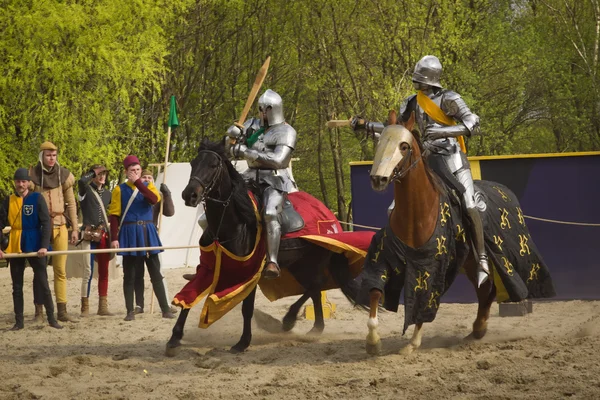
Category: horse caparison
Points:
column 413, row 220
column 231, row 219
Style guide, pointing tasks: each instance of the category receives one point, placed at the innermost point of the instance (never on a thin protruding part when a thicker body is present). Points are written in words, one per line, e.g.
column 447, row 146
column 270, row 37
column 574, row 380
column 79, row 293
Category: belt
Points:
column 138, row 222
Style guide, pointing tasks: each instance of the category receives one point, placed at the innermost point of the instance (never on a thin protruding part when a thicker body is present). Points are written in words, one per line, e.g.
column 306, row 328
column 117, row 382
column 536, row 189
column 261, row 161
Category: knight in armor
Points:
column 442, row 117
column 267, row 144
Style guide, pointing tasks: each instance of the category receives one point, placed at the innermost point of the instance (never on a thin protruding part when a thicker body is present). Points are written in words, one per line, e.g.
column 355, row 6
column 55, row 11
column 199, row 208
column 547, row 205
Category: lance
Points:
column 260, row 77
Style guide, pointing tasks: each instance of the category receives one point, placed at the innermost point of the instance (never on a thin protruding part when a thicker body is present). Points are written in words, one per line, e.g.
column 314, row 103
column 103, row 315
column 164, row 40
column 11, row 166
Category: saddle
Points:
column 290, row 219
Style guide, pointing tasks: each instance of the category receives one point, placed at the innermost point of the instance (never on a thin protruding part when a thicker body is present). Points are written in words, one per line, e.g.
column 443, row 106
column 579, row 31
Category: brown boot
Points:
column 271, row 271
column 103, row 306
column 62, row 313
column 39, row 313
column 189, row 277
column 85, row 307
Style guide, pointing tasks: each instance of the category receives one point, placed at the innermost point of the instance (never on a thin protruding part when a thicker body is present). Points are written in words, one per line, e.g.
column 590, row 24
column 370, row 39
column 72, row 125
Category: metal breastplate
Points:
column 277, row 135
column 446, row 146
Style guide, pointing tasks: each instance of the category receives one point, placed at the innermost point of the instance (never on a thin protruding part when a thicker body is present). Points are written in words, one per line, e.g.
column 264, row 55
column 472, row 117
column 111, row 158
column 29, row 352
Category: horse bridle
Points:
column 399, row 171
column 211, row 185
column 209, row 188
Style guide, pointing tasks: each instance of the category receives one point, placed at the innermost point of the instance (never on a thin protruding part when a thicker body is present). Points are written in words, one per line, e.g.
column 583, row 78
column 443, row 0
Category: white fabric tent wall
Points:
column 182, row 228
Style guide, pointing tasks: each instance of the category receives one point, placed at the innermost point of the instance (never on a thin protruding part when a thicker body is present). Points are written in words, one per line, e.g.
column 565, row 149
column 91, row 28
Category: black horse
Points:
column 231, row 218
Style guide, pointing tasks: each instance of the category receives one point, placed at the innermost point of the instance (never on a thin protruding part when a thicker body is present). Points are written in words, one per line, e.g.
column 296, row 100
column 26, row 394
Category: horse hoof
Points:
column 407, row 350
column 479, row 334
column 172, row 349
column 238, row 348
column 316, row 331
column 288, row 324
column 374, row 349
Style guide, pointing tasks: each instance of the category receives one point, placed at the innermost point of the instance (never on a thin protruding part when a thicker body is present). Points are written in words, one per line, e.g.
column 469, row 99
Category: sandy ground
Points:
column 549, row 354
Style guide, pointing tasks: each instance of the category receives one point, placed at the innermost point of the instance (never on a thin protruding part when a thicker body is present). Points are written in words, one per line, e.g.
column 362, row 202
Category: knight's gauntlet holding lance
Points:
column 372, row 129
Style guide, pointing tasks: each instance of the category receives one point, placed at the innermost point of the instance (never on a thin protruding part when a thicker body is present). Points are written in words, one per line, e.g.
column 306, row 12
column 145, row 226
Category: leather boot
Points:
column 19, row 324
column 62, row 313
column 85, row 307
column 103, row 306
column 271, row 271
column 53, row 323
column 39, row 313
column 189, row 277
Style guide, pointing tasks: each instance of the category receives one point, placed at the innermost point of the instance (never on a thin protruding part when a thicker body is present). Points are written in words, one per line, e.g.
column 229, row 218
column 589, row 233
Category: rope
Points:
column 96, row 251
column 561, row 222
column 360, row 226
column 553, row 221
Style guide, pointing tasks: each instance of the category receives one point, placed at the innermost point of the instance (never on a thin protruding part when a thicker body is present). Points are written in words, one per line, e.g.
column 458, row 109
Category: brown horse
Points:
column 417, row 191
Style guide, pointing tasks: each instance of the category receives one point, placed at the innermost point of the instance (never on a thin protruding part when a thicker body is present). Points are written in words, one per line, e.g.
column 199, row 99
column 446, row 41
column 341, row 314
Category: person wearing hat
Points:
column 27, row 215
column 94, row 199
column 56, row 185
column 168, row 211
column 131, row 225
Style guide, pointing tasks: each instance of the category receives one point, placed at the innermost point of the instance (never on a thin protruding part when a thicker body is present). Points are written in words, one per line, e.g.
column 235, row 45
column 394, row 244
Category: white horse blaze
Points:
column 373, row 336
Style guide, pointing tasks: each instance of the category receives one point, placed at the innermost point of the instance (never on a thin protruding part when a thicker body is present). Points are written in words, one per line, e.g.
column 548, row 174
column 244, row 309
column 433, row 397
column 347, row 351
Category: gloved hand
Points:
column 238, row 150
column 89, row 175
column 235, row 132
column 164, row 189
column 358, row 123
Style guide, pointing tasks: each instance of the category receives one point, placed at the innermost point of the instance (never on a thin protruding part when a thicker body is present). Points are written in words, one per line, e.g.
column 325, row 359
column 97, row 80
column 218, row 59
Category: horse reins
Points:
column 209, row 188
column 400, row 172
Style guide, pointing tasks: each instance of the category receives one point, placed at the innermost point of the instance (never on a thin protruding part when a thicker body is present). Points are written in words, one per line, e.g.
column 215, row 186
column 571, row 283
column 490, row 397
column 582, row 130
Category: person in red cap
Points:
column 168, row 211
column 31, row 228
column 131, row 225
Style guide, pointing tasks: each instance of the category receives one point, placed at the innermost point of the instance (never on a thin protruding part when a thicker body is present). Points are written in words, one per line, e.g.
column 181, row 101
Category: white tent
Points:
column 182, row 228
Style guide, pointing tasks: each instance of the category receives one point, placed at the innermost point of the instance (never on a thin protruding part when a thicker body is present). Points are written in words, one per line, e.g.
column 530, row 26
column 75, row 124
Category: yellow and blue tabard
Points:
column 137, row 228
column 23, row 218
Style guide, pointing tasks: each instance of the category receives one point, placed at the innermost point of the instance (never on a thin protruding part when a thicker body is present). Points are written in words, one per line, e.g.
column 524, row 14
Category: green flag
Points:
column 173, row 120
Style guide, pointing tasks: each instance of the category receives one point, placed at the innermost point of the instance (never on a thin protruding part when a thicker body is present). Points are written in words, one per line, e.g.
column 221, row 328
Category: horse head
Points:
column 392, row 156
column 208, row 169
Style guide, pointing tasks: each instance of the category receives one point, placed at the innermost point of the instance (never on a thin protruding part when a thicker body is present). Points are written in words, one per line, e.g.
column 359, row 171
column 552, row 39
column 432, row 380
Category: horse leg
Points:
column 415, row 340
column 319, row 325
column 486, row 293
column 247, row 312
column 373, row 339
column 175, row 341
column 289, row 321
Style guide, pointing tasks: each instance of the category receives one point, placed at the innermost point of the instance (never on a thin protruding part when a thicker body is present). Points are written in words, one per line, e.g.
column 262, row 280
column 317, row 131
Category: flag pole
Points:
column 173, row 122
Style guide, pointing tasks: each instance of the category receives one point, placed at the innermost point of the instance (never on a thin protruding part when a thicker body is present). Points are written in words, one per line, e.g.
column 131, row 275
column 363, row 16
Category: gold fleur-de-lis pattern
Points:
column 380, row 247
column 504, row 195
column 533, row 273
column 384, row 276
column 444, row 213
column 524, row 246
column 422, row 281
column 434, row 300
column 460, row 234
column 504, row 222
column 508, row 266
column 441, row 246
column 498, row 240
column 520, row 216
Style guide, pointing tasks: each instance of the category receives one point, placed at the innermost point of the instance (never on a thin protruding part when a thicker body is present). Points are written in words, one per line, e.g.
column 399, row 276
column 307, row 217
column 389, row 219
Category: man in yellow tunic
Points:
column 56, row 185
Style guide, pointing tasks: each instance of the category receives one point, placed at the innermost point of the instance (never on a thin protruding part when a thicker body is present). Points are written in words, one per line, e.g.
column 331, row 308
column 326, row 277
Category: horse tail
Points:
column 340, row 272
